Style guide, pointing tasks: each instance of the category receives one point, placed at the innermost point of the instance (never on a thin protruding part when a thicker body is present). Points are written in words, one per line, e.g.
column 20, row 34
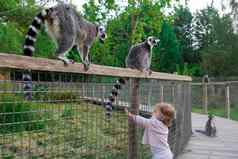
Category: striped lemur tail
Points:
column 28, row 49
column 114, row 93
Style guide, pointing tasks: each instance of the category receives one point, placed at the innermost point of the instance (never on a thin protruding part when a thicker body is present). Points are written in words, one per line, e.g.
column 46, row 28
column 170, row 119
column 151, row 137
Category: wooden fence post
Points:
column 205, row 98
column 149, row 96
column 173, row 94
column 228, row 103
column 161, row 93
column 132, row 132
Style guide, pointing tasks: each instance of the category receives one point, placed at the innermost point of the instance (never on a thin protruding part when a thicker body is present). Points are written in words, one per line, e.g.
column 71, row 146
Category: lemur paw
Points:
column 86, row 67
column 71, row 61
column 67, row 62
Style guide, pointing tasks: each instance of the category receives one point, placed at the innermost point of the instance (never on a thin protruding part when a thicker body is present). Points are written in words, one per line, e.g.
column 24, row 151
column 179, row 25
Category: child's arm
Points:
column 139, row 120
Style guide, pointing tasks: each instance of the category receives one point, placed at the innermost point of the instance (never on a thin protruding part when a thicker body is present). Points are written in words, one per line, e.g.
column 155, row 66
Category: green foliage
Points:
column 44, row 46
column 68, row 112
column 183, row 26
column 169, row 50
column 218, row 48
column 13, row 113
column 194, row 45
column 189, row 69
column 41, row 92
column 10, row 38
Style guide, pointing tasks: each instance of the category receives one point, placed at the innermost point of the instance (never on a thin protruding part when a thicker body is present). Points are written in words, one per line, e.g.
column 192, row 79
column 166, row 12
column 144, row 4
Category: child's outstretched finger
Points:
column 126, row 110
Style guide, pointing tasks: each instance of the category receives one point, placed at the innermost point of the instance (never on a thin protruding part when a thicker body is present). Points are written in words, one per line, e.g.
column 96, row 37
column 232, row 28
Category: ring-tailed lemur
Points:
column 68, row 29
column 210, row 128
column 139, row 57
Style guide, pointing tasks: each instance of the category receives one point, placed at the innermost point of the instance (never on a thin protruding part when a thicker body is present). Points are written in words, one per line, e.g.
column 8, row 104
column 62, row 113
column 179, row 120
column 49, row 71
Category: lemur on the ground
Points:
column 68, row 29
column 139, row 57
column 210, row 128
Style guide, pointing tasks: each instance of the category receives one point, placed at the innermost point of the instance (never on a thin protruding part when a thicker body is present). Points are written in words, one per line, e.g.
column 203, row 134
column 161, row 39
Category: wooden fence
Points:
column 178, row 91
column 216, row 95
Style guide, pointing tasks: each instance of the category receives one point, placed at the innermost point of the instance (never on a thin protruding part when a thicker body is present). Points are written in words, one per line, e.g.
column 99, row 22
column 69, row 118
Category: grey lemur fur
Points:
column 139, row 57
column 68, row 29
column 210, row 128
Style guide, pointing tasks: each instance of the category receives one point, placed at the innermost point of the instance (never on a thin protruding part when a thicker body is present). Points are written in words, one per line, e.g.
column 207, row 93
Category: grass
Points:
column 218, row 111
column 72, row 130
column 12, row 113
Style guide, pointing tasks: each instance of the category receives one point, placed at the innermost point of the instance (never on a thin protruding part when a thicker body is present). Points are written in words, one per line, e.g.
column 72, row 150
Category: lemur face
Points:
column 102, row 34
column 152, row 41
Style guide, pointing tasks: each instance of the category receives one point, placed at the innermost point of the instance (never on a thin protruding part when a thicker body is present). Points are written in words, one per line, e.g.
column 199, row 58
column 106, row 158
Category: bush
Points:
column 68, row 112
column 18, row 115
column 42, row 92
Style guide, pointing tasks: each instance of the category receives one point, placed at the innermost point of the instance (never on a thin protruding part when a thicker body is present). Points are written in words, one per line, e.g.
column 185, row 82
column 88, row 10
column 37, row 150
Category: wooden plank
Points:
column 223, row 146
column 42, row 64
column 215, row 83
column 205, row 98
column 228, row 103
column 132, row 130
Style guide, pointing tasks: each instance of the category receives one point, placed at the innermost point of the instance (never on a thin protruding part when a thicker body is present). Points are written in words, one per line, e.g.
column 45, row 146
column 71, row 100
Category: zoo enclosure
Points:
column 66, row 118
column 221, row 96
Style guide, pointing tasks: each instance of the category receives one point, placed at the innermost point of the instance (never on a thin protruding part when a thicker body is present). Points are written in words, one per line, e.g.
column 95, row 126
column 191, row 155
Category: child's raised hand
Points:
column 128, row 113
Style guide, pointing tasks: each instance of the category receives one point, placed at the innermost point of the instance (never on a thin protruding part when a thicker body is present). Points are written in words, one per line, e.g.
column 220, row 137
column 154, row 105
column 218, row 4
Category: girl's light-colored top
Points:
column 155, row 134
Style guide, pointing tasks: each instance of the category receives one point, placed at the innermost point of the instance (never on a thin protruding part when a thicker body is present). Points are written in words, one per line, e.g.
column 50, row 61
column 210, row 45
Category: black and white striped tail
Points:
column 114, row 93
column 32, row 33
column 27, row 86
column 28, row 49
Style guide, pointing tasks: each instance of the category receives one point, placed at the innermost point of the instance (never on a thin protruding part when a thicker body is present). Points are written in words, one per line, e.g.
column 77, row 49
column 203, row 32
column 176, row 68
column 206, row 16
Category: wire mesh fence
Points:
column 66, row 119
column 217, row 97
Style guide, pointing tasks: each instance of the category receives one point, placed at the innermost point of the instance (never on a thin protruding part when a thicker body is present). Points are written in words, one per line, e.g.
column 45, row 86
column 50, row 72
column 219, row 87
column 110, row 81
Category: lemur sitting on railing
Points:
column 139, row 57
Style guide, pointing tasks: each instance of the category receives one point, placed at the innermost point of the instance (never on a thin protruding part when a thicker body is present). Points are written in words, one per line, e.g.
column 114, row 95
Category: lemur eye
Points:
column 101, row 29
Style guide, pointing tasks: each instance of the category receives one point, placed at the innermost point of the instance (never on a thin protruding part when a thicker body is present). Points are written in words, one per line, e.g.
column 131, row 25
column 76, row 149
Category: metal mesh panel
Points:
column 66, row 117
column 217, row 98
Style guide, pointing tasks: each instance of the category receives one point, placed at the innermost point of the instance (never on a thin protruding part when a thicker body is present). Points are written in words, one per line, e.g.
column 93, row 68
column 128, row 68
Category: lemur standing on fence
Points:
column 68, row 29
column 139, row 57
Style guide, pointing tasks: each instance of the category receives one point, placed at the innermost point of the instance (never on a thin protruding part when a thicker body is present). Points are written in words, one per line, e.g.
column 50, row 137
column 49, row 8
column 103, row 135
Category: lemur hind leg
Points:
column 86, row 59
column 83, row 52
column 63, row 48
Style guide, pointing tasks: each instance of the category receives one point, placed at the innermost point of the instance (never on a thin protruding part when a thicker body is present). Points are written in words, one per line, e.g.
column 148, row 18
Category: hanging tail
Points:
column 27, row 85
column 201, row 131
column 114, row 93
column 34, row 29
column 28, row 49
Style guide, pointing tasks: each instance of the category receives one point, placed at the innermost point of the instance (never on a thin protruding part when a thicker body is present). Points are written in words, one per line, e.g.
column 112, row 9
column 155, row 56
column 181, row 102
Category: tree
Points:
column 132, row 25
column 182, row 26
column 217, row 42
column 170, row 55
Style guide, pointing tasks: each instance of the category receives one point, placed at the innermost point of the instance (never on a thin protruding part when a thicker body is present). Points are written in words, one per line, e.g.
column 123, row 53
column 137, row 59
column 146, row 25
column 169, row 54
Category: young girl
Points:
column 156, row 129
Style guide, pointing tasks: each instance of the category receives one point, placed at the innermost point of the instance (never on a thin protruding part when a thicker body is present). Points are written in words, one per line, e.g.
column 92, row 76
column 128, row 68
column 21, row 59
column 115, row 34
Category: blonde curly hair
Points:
column 167, row 113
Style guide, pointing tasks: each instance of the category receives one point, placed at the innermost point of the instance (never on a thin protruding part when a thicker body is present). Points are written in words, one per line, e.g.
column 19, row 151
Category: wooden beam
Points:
column 132, row 128
column 11, row 61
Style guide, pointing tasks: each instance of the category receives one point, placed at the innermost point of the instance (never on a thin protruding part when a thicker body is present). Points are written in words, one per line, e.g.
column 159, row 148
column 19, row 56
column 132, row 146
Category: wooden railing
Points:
column 10, row 61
